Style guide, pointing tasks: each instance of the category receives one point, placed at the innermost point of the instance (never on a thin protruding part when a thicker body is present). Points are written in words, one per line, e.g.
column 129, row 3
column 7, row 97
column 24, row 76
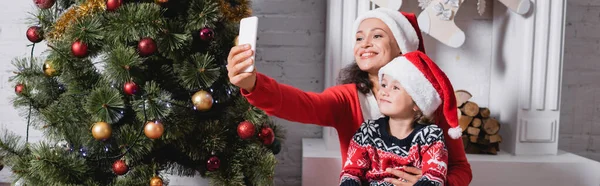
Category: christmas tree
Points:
column 132, row 90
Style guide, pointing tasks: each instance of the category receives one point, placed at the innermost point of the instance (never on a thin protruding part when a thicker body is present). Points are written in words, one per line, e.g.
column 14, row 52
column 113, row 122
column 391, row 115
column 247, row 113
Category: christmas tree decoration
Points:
column 146, row 47
column 44, row 4
column 267, row 136
column 120, row 167
column 49, row 69
column 115, row 68
column 235, row 10
column 161, row 2
column 154, row 129
column 276, row 146
column 202, row 100
column 35, row 34
column 246, row 130
column 213, row 163
column 156, row 181
column 437, row 20
column 112, row 5
column 79, row 49
column 101, row 131
column 19, row 88
column 130, row 88
column 207, row 34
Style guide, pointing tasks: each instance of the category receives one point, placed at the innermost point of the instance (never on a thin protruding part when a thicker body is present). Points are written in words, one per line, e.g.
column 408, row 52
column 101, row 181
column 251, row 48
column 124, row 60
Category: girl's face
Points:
column 375, row 45
column 393, row 99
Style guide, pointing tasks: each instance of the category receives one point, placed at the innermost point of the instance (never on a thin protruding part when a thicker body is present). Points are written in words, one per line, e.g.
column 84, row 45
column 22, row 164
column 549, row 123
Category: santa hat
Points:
column 404, row 27
column 428, row 86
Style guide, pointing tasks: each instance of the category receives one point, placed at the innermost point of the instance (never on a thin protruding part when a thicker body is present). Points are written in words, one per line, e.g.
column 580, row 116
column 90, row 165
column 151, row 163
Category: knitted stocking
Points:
column 437, row 20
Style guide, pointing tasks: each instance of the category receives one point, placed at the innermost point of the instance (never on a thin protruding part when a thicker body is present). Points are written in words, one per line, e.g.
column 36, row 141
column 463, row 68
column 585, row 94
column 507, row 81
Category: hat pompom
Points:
column 455, row 132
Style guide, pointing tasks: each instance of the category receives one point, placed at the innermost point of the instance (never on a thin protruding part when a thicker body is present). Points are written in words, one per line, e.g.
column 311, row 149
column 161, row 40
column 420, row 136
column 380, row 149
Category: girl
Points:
column 381, row 35
column 412, row 88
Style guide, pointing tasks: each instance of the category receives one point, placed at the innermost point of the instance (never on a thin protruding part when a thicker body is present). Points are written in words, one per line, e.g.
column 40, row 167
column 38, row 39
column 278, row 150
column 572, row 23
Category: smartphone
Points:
column 247, row 35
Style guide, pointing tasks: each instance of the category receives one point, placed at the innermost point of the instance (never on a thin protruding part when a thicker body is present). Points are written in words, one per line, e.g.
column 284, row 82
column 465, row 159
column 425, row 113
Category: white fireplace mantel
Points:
column 524, row 95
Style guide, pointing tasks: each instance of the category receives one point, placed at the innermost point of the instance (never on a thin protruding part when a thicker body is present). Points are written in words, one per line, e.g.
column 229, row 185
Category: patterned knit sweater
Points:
column 373, row 149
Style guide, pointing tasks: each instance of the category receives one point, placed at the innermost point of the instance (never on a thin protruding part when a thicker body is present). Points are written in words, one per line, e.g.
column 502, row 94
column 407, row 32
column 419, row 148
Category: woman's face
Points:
column 375, row 45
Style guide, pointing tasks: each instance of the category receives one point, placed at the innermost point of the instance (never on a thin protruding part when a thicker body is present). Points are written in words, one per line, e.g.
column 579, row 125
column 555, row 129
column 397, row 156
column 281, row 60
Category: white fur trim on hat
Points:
column 403, row 31
column 414, row 82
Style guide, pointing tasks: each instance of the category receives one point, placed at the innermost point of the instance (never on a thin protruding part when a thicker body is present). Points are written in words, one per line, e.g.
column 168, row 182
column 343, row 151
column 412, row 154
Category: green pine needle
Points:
column 105, row 104
column 119, row 61
column 199, row 73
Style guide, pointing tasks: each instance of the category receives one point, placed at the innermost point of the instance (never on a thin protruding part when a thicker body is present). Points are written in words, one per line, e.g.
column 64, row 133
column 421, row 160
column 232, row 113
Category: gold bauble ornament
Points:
column 160, row 2
column 49, row 69
column 101, row 130
column 154, row 130
column 202, row 100
column 156, row 181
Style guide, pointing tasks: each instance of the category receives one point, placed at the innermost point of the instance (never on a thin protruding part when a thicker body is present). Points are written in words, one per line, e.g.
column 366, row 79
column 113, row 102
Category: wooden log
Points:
column 473, row 131
column 464, row 122
column 491, row 126
column 495, row 138
column 462, row 96
column 484, row 112
column 476, row 122
column 472, row 149
column 473, row 139
column 483, row 141
column 492, row 150
column 470, row 109
column 458, row 112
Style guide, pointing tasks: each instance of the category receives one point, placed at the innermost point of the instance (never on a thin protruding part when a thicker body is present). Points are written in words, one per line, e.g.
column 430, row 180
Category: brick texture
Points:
column 580, row 120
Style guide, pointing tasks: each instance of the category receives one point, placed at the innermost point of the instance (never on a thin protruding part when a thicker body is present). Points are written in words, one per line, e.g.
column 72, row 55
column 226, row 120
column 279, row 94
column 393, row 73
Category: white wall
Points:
column 580, row 121
column 290, row 49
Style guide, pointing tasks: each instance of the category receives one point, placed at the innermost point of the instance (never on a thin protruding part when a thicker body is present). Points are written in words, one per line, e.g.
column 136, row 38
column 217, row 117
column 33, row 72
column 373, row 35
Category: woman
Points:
column 381, row 35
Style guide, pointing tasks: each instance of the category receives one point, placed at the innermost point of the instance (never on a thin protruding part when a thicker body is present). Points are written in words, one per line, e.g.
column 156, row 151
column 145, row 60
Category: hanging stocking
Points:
column 437, row 20
column 517, row 6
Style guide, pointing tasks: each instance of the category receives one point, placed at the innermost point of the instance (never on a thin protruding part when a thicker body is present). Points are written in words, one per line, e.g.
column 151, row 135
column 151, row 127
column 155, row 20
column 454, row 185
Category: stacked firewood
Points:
column 480, row 131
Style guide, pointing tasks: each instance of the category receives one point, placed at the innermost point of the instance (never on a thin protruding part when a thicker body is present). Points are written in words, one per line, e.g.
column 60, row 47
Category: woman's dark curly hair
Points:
column 352, row 74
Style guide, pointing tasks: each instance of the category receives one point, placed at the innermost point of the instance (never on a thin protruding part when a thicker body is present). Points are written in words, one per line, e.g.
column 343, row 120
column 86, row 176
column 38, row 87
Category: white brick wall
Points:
column 580, row 116
column 290, row 49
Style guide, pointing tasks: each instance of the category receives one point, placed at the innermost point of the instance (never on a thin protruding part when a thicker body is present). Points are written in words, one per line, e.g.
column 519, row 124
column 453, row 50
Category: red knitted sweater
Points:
column 338, row 107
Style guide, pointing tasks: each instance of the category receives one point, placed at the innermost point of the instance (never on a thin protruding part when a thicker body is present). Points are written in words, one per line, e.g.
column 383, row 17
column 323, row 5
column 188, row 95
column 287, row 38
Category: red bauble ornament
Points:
column 130, row 88
column 246, row 130
column 267, row 136
column 35, row 34
column 79, row 49
column 207, row 34
column 213, row 164
column 112, row 5
column 44, row 4
column 147, row 47
column 19, row 88
column 120, row 167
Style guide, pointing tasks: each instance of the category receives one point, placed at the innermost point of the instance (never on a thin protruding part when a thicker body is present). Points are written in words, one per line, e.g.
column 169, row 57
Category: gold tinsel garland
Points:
column 235, row 13
column 75, row 13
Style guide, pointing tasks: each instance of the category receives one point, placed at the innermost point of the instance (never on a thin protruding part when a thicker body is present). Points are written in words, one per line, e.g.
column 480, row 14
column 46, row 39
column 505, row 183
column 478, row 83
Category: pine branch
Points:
column 202, row 14
column 158, row 103
column 133, row 21
column 199, row 72
column 105, row 104
column 11, row 145
column 119, row 61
